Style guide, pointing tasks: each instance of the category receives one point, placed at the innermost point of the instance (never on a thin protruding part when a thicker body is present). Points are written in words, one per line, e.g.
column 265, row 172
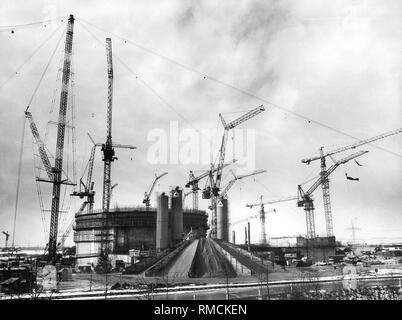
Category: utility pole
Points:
column 267, row 285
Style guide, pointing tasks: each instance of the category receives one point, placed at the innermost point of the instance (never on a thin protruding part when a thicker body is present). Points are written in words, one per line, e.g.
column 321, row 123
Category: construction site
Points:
column 186, row 239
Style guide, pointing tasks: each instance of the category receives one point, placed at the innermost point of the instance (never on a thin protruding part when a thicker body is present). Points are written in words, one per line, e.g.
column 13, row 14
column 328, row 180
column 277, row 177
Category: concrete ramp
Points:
column 210, row 262
column 181, row 265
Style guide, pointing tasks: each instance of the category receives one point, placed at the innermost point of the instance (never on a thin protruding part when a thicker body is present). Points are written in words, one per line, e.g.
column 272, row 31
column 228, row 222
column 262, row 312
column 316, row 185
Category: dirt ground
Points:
column 209, row 262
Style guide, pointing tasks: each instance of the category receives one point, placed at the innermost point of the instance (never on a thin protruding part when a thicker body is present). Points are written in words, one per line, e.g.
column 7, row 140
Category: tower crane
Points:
column 193, row 182
column 108, row 146
column 222, row 151
column 325, row 181
column 148, row 194
column 262, row 213
column 217, row 201
column 215, row 183
column 89, row 185
column 7, row 236
column 305, row 198
column 249, row 217
column 55, row 173
column 230, row 184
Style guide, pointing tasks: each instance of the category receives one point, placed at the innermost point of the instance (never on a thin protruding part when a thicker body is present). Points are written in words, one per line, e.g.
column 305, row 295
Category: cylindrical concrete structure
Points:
column 248, row 235
column 263, row 235
column 177, row 214
column 162, row 220
column 233, row 237
column 222, row 220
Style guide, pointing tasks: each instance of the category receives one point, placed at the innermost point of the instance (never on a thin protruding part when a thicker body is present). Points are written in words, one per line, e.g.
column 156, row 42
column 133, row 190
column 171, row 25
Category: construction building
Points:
column 138, row 228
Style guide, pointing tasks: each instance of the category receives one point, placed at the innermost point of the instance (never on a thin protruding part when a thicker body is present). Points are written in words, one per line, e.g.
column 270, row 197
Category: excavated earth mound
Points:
column 210, row 262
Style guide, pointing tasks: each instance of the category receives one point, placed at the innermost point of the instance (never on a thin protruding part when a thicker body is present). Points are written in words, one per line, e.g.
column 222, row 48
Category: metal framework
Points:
column 324, row 176
column 107, row 148
column 193, row 183
column 305, row 198
column 215, row 182
column 55, row 173
column 262, row 213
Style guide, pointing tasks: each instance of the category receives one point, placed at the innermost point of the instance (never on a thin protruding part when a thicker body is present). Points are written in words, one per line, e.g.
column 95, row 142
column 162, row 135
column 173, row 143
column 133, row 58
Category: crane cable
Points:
column 143, row 81
column 228, row 85
column 29, row 58
column 21, row 26
column 18, row 180
column 44, row 72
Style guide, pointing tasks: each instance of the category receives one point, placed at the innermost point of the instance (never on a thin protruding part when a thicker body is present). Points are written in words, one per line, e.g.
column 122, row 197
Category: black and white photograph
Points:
column 214, row 152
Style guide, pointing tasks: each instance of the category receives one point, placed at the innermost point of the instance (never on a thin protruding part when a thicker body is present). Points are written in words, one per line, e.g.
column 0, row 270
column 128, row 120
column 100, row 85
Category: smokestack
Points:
column 222, row 220
column 162, row 219
column 177, row 214
column 263, row 236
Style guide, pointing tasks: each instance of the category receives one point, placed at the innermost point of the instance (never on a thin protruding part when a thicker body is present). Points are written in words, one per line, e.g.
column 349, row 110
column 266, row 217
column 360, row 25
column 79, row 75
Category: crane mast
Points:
column 57, row 170
column 107, row 148
column 326, row 196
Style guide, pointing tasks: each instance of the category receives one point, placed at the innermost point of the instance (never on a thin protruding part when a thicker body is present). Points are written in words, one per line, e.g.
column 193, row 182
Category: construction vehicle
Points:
column 55, row 173
column 325, row 181
column 305, row 198
column 262, row 213
column 147, row 195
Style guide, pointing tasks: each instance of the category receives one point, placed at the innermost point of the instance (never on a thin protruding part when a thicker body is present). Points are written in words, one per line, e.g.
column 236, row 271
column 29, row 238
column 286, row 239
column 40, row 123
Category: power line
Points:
column 143, row 81
column 252, row 95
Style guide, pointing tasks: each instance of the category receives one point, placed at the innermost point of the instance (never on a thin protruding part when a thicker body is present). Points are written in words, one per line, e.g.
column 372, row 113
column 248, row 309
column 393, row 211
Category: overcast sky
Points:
column 335, row 62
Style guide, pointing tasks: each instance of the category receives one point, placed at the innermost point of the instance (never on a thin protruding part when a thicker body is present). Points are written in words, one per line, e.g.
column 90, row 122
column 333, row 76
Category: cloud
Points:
column 336, row 62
